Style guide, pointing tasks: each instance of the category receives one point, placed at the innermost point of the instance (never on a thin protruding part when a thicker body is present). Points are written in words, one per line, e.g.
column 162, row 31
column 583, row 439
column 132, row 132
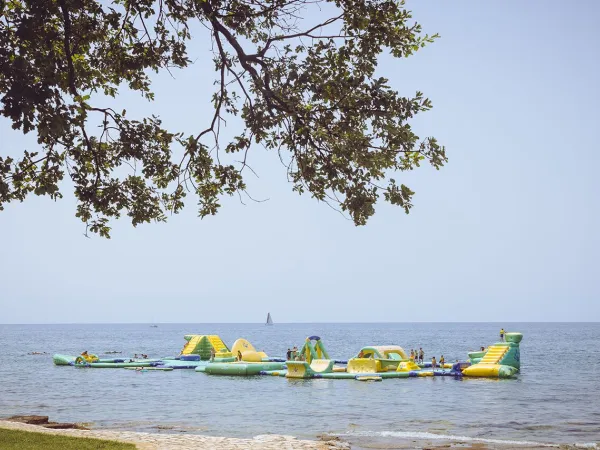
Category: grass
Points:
column 21, row 440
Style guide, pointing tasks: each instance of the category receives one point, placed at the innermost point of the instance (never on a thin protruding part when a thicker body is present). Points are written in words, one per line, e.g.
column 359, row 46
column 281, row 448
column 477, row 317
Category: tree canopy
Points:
column 304, row 85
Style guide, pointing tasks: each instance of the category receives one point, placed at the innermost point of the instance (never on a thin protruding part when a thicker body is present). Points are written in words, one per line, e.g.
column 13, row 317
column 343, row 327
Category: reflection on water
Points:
column 551, row 401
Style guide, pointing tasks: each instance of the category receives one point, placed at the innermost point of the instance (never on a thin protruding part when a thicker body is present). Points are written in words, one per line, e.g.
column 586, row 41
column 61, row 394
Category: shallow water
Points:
column 553, row 400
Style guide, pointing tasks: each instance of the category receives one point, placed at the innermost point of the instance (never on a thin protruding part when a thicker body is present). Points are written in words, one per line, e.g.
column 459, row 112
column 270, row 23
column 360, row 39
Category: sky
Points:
column 507, row 231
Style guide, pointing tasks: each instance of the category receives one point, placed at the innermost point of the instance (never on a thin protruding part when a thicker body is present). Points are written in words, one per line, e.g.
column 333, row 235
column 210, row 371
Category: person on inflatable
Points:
column 89, row 358
column 502, row 334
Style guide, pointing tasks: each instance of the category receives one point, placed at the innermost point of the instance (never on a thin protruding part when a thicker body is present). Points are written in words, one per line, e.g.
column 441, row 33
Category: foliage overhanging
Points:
column 305, row 88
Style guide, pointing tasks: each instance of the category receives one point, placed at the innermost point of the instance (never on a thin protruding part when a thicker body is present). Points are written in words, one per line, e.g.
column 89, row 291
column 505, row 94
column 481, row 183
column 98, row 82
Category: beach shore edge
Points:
column 159, row 441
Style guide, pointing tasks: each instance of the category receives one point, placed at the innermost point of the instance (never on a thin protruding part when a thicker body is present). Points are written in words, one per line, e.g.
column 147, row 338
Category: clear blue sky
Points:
column 507, row 231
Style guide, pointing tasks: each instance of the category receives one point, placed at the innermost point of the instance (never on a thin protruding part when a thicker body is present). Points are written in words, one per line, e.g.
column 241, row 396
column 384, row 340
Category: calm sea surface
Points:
column 555, row 399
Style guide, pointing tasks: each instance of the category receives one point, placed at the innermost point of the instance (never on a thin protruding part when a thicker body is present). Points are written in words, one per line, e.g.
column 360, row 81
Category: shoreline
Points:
column 162, row 441
column 167, row 441
column 448, row 442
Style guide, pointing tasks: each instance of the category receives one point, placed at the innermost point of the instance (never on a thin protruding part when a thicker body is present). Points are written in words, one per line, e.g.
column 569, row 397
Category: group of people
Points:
column 292, row 354
column 434, row 363
column 89, row 358
column 417, row 355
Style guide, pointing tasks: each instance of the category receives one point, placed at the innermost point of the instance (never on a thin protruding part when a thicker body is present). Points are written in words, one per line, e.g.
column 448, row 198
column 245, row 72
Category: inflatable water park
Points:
column 210, row 355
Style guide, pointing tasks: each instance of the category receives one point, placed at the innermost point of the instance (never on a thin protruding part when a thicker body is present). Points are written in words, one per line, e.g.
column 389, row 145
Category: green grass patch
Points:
column 20, row 440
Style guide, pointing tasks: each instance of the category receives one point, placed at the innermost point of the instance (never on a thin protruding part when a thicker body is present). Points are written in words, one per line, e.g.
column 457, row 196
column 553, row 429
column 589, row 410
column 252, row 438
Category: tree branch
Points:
column 72, row 84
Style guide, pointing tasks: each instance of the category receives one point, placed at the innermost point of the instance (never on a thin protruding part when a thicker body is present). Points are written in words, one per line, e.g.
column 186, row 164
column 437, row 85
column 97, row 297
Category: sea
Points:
column 554, row 400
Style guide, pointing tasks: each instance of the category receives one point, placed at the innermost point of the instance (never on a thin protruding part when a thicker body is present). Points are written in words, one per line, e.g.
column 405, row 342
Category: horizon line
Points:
column 295, row 323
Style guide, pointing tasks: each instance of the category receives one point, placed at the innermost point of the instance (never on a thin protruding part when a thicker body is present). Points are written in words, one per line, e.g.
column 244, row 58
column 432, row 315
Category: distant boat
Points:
column 153, row 326
column 269, row 320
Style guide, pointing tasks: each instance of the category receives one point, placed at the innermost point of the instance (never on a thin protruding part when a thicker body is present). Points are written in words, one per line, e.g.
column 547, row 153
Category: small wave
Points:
column 445, row 437
column 538, row 427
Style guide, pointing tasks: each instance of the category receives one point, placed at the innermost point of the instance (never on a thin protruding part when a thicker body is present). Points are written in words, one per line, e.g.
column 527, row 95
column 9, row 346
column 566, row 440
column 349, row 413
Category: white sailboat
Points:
column 269, row 319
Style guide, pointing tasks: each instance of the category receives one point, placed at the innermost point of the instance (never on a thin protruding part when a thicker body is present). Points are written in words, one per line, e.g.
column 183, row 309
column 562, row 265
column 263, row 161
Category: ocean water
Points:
column 555, row 399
